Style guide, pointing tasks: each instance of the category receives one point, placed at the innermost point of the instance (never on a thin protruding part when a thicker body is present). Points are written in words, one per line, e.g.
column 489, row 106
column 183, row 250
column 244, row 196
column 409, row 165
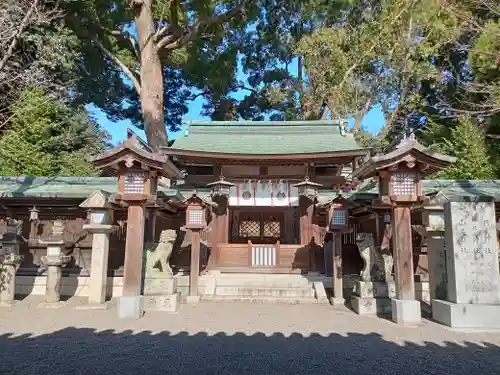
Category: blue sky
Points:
column 373, row 121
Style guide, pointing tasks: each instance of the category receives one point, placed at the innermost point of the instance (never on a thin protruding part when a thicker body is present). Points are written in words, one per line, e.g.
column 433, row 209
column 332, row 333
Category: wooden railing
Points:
column 263, row 255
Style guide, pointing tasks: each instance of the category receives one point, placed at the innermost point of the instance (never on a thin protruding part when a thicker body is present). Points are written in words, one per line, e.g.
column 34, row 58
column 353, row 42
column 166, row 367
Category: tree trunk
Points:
column 151, row 94
column 357, row 123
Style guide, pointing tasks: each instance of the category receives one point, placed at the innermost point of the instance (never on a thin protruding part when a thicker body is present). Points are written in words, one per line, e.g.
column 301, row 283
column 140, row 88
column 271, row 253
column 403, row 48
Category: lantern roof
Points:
column 98, row 199
column 308, row 182
column 132, row 151
column 221, row 181
column 196, row 198
column 409, row 151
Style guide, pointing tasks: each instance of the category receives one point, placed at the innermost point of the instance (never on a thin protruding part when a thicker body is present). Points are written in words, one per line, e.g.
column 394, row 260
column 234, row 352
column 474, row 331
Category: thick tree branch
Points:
column 126, row 36
column 17, row 36
column 170, row 42
column 121, row 65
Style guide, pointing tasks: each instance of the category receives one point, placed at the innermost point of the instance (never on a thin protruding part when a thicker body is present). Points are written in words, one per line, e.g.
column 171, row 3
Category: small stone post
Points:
column 54, row 260
column 9, row 263
column 101, row 215
column 436, row 252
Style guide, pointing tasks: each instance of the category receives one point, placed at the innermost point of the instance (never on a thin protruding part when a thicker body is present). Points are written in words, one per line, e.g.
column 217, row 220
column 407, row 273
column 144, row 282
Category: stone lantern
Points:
column 196, row 221
column 54, row 261
column 100, row 225
column 9, row 261
column 138, row 169
column 400, row 172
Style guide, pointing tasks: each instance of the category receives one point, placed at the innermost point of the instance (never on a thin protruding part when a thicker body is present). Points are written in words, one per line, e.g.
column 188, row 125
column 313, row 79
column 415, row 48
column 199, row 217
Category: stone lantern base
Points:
column 406, row 312
column 130, row 307
column 373, row 297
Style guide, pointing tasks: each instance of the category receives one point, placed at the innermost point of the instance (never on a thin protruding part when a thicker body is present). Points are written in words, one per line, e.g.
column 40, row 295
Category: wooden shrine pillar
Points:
column 196, row 221
column 220, row 228
column 132, row 272
column 194, row 269
column 338, row 223
column 403, row 258
column 306, row 206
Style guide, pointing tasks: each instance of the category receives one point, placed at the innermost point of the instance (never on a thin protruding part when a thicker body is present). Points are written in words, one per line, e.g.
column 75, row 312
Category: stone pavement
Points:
column 234, row 338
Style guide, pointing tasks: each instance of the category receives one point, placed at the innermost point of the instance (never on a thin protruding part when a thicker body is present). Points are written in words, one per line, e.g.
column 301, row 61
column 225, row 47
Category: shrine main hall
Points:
column 290, row 212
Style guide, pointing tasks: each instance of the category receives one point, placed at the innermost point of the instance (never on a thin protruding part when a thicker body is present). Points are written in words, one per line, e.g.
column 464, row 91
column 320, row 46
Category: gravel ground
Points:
column 234, row 338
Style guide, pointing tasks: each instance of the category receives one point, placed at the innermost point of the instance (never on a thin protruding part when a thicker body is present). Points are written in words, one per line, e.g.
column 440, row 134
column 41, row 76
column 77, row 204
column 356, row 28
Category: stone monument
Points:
column 473, row 278
column 160, row 286
column 373, row 293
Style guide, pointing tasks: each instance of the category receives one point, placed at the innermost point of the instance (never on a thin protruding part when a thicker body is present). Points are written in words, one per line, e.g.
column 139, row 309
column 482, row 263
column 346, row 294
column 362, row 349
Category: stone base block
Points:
column 375, row 289
column 406, row 311
column 168, row 303
column 94, row 306
column 130, row 307
column 193, row 300
column 8, row 303
column 163, row 286
column 371, row 306
column 214, row 272
column 466, row 315
column 337, row 301
column 51, row 305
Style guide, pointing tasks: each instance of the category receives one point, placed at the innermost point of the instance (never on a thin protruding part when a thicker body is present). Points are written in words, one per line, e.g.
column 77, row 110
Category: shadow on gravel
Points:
column 85, row 351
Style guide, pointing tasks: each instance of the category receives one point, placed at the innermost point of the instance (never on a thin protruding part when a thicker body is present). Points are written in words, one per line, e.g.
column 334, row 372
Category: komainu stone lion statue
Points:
column 161, row 255
column 377, row 265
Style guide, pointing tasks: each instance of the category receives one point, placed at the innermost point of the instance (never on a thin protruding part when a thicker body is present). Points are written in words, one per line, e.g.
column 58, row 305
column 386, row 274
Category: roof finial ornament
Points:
column 408, row 135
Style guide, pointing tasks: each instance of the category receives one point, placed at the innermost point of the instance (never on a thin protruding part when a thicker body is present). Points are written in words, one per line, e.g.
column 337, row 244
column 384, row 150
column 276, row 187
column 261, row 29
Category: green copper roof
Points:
column 60, row 187
column 266, row 137
column 82, row 187
column 453, row 189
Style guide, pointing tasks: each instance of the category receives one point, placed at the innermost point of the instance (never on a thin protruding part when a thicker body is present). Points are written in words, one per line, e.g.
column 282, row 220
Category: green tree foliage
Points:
column 47, row 137
column 159, row 55
column 379, row 57
column 467, row 142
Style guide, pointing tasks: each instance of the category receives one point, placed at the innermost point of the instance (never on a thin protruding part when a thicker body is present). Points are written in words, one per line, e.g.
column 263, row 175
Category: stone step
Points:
column 263, row 281
column 268, row 299
column 263, row 291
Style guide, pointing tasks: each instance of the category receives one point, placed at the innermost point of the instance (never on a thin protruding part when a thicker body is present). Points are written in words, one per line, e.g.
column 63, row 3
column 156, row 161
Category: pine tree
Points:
column 46, row 137
column 467, row 142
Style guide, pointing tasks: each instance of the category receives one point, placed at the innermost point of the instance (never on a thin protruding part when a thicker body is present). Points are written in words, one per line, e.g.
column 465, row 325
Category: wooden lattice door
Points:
column 258, row 227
